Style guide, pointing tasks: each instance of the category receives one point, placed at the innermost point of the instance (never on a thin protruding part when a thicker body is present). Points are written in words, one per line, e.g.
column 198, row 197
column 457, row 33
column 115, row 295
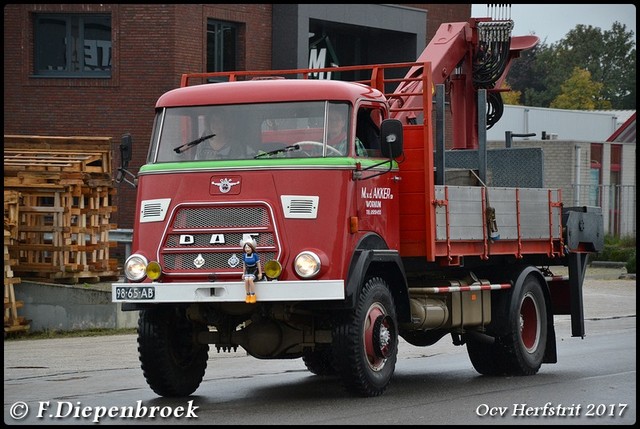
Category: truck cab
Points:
column 282, row 181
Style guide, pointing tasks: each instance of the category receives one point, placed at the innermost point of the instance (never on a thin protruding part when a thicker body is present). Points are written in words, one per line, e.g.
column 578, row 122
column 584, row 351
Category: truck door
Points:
column 378, row 183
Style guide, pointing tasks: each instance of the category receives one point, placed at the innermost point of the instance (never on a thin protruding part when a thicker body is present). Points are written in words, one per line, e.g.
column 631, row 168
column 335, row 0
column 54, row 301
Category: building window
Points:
column 72, row 45
column 222, row 42
column 596, row 175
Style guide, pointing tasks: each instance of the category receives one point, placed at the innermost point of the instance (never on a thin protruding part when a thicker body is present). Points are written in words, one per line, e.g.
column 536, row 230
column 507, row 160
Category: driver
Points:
column 225, row 143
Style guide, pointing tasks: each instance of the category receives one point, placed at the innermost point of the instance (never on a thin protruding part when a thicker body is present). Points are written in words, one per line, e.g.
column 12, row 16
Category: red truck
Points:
column 358, row 248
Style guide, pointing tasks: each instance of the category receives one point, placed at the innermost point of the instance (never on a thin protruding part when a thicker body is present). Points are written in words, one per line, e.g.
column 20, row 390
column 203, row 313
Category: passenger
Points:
column 337, row 134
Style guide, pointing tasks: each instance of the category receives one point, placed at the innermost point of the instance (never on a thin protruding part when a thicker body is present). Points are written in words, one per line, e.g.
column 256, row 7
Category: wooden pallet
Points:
column 12, row 321
column 64, row 207
column 36, row 160
column 94, row 153
column 11, row 204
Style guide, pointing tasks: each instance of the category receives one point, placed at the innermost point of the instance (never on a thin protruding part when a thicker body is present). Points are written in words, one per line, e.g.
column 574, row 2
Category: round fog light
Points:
column 153, row 270
column 273, row 269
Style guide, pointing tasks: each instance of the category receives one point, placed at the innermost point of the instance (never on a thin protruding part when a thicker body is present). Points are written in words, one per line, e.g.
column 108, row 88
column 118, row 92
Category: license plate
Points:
column 135, row 292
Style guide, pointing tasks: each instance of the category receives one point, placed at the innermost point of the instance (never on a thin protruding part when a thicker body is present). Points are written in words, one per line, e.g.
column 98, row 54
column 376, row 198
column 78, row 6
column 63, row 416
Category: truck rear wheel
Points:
column 527, row 340
column 172, row 362
column 487, row 359
column 521, row 335
column 319, row 361
column 366, row 342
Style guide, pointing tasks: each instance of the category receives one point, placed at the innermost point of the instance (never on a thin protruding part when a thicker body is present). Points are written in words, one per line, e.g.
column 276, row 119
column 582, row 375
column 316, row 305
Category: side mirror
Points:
column 126, row 142
column 391, row 143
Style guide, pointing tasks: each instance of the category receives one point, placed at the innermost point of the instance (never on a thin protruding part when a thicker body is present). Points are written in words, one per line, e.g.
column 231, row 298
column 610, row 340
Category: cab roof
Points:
column 267, row 90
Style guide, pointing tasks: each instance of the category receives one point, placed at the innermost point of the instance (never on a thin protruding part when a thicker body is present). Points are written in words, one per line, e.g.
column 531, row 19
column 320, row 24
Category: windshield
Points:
column 250, row 131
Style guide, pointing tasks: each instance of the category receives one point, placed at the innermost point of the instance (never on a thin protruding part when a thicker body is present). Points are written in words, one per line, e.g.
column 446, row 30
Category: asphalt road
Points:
column 75, row 380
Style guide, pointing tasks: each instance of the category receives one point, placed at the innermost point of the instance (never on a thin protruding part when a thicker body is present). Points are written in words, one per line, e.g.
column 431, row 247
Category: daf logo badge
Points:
column 225, row 185
column 199, row 261
column 233, row 261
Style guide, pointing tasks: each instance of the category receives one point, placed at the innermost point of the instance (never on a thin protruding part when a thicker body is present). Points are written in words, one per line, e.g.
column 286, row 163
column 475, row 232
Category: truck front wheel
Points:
column 366, row 341
column 172, row 362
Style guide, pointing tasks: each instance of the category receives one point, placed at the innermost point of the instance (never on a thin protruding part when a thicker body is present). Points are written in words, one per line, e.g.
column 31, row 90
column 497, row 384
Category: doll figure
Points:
column 252, row 269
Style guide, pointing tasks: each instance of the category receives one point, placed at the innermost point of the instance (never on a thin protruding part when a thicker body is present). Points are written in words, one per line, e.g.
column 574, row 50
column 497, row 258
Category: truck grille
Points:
column 205, row 240
column 223, row 217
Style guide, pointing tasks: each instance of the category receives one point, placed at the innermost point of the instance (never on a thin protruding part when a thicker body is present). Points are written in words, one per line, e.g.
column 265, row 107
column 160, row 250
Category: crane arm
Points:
column 466, row 56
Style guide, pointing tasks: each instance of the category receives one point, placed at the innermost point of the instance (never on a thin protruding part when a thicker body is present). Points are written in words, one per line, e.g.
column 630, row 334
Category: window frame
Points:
column 81, row 21
column 223, row 55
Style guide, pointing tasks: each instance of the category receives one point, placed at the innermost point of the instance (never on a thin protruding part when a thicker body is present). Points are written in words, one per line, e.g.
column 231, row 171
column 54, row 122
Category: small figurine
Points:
column 252, row 269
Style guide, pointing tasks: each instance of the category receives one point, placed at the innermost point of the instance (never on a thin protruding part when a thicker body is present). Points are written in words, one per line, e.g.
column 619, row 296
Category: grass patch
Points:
column 618, row 249
column 48, row 334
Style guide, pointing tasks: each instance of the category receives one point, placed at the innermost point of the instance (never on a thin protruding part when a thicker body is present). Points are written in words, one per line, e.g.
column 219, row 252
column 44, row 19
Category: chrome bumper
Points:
column 310, row 290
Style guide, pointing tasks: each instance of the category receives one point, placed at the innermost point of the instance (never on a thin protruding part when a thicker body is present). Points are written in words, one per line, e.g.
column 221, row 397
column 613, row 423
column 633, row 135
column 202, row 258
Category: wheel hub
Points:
column 529, row 324
column 382, row 346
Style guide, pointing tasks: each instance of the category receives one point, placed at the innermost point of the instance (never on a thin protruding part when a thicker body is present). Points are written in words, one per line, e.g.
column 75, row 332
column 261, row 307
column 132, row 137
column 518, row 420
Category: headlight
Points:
column 307, row 264
column 135, row 267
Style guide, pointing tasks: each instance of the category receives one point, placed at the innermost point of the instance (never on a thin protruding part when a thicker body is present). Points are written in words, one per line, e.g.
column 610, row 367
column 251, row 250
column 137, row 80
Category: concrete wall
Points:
column 71, row 307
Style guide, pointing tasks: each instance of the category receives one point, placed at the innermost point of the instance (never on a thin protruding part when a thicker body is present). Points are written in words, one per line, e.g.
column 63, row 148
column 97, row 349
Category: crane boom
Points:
column 465, row 57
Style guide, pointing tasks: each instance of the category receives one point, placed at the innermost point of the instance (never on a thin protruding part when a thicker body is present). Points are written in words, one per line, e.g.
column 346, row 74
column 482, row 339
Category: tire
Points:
column 487, row 359
column 173, row 364
column 366, row 341
column 521, row 335
column 527, row 341
column 319, row 361
column 491, row 358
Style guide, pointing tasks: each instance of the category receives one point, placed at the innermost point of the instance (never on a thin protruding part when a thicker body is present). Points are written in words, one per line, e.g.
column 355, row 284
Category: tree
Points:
column 510, row 97
column 579, row 92
column 609, row 56
column 524, row 78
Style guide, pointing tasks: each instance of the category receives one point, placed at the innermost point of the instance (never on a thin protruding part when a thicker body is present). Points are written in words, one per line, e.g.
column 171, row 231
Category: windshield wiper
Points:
column 186, row 146
column 277, row 151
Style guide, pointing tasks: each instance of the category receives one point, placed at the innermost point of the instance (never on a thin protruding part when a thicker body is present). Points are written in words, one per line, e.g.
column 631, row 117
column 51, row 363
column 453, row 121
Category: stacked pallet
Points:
column 12, row 322
column 66, row 193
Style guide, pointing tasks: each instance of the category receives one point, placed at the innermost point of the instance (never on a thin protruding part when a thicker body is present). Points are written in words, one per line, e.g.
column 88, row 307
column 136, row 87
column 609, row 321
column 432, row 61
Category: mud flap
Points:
column 577, row 268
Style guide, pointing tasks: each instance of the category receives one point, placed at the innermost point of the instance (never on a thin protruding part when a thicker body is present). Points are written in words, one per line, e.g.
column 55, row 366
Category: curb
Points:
column 608, row 264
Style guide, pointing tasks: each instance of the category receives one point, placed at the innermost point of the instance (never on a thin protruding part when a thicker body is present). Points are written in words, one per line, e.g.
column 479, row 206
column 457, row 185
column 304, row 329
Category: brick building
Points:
column 131, row 54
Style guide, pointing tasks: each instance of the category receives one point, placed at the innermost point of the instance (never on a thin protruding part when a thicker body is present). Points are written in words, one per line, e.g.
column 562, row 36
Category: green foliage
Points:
column 544, row 73
column 631, row 264
column 579, row 92
column 625, row 241
column 618, row 249
column 615, row 254
column 512, row 97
